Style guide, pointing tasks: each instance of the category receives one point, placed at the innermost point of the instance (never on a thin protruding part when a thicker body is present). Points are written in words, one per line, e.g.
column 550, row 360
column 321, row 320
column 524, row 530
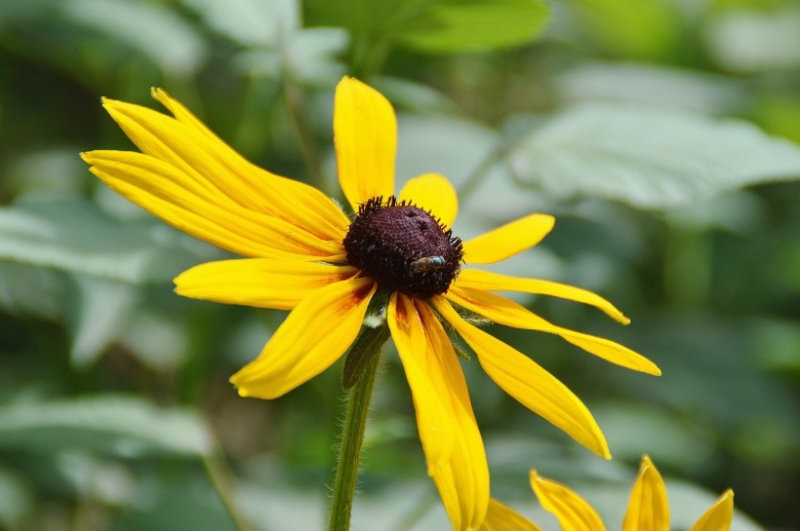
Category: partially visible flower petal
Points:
column 528, row 382
column 719, row 516
column 432, row 192
column 314, row 335
column 648, row 509
column 365, row 135
column 504, row 311
column 177, row 198
column 508, row 240
column 489, row 281
column 456, row 460
column 259, row 282
column 502, row 518
column 192, row 149
column 572, row 511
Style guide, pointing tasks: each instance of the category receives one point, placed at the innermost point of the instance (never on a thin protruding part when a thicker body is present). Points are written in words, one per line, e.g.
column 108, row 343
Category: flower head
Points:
column 303, row 253
column 647, row 509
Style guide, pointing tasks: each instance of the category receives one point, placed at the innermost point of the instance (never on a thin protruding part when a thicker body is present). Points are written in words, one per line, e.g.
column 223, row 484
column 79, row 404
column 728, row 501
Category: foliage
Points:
column 661, row 133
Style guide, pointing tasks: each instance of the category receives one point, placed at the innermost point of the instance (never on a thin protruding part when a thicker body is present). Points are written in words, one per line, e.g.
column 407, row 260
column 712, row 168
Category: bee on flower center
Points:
column 428, row 263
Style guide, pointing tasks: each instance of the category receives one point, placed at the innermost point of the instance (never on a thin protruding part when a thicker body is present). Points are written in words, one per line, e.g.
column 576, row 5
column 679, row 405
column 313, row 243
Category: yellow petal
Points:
column 259, row 282
column 191, row 148
column 188, row 205
column 529, row 383
column 365, row 135
column 448, row 431
column 504, row 311
column 432, row 192
column 502, row 518
column 719, row 516
column 488, row 281
column 572, row 511
column 648, row 509
column 314, row 335
column 508, row 240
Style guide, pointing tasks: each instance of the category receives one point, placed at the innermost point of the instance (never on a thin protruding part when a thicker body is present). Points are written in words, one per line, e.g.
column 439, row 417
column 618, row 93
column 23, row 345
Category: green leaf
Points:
column 648, row 157
column 471, row 25
column 750, row 41
column 103, row 309
column 114, row 424
column 75, row 235
column 154, row 29
column 442, row 26
column 644, row 29
column 16, row 500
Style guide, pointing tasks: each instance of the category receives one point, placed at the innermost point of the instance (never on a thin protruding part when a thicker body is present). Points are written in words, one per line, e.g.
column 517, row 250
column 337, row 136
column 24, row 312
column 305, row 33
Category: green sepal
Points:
column 367, row 345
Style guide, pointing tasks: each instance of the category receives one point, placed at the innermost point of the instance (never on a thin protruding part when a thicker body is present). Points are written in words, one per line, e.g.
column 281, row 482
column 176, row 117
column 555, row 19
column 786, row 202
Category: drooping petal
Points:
column 448, row 431
column 365, row 135
column 259, row 282
column 528, row 382
column 432, row 192
column 314, row 335
column 508, row 240
column 502, row 518
column 489, row 281
column 192, row 149
column 648, row 509
column 504, row 311
column 719, row 516
column 572, row 511
column 189, row 205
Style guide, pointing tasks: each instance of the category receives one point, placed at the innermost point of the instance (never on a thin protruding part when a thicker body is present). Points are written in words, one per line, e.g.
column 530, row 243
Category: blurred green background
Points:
column 663, row 134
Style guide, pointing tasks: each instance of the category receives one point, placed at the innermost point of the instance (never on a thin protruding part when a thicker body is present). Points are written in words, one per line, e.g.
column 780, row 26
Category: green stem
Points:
column 295, row 103
column 352, row 439
column 476, row 177
column 220, row 476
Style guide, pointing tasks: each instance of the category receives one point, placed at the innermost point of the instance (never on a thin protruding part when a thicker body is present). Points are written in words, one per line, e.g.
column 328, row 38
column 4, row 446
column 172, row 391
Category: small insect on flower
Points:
column 428, row 263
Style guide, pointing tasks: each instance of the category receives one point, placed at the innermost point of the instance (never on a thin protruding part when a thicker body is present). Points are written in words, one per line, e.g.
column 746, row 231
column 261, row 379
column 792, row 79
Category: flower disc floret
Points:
column 403, row 248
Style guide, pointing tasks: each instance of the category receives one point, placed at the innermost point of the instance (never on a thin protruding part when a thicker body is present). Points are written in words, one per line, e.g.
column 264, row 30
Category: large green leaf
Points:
column 75, row 235
column 154, row 29
column 439, row 26
column 115, row 424
column 648, row 157
column 476, row 25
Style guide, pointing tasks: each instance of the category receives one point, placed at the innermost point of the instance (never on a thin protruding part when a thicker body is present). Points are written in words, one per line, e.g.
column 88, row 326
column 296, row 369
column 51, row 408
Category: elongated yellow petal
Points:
column 528, row 382
column 572, row 511
column 448, row 431
column 365, row 135
column 431, row 398
column 504, row 311
column 719, row 516
column 648, row 509
column 508, row 240
column 502, row 518
column 259, row 282
column 195, row 151
column 188, row 205
column 432, row 192
column 488, row 281
column 314, row 335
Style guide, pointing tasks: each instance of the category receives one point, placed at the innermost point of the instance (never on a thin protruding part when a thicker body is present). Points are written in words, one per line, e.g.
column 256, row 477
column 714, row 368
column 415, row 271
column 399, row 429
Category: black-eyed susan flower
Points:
column 303, row 253
column 648, row 509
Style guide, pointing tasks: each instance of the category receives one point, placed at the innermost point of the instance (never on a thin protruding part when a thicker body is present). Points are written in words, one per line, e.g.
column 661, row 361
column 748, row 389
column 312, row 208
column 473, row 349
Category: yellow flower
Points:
column 302, row 253
column 647, row 509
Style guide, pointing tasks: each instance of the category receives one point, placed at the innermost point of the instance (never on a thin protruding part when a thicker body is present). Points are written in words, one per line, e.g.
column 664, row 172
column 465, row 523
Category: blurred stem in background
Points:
column 687, row 266
column 220, row 476
column 296, row 104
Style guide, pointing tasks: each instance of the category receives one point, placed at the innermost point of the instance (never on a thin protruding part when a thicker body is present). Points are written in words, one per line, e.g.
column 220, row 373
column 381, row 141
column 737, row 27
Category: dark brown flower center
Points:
column 403, row 247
